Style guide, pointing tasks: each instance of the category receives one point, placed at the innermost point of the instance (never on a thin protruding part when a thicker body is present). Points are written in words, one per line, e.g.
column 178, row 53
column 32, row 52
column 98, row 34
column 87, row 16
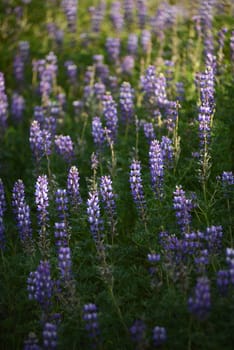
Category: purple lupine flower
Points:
column 167, row 151
column 110, row 115
column 149, row 131
column 18, row 66
column 3, row 105
column 200, row 303
column 73, row 186
column 128, row 7
column 61, row 234
column 17, row 107
column 113, row 48
column 36, row 140
column 77, row 105
column 108, row 199
column 90, row 316
column 94, row 215
column 22, row 211
column 39, row 114
column 183, row 207
column 223, row 281
column 99, row 90
column 98, row 132
column 213, row 236
column 70, row 10
column 116, row 16
column 221, row 37
column 40, row 285
column 97, row 16
column 142, row 13
column 64, row 262
column 2, row 210
column 146, row 40
column 171, row 110
column 153, row 258
column 136, row 185
column 42, row 200
column 156, row 167
column 230, row 262
column 40, row 141
column 32, row 342
column 50, row 338
column 132, row 45
column 126, row 101
column 227, row 179
column 159, row 335
column 61, row 200
column 71, row 70
column 64, row 147
column 24, row 48
column 137, row 331
column 127, row 64
column 202, row 260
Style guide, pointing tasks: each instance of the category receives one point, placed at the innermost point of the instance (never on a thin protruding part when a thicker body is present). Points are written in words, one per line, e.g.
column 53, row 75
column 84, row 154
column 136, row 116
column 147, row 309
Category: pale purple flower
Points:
column 73, row 186
column 156, row 167
column 200, row 303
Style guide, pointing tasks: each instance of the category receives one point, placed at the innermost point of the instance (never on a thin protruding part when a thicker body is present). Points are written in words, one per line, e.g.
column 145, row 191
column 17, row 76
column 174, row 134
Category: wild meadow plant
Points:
column 116, row 174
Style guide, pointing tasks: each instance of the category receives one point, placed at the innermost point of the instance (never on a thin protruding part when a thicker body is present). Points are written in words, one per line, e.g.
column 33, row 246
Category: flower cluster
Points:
column 110, row 114
column 22, row 211
column 40, row 285
column 3, row 105
column 183, row 207
column 2, row 210
column 73, row 186
column 90, row 316
column 156, row 167
column 64, row 147
column 126, row 102
column 136, row 185
column 200, row 303
column 42, row 200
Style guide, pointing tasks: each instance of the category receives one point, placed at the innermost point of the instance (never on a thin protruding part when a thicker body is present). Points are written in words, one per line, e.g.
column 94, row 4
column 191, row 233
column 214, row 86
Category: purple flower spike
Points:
column 137, row 331
column 110, row 114
column 94, row 215
column 17, row 107
column 61, row 234
column 73, row 186
column 42, row 200
column 61, row 201
column 136, row 185
column 40, row 285
column 3, row 105
column 107, row 195
column 126, row 101
column 113, row 48
column 64, row 262
column 98, row 132
column 156, row 167
column 200, row 303
column 90, row 316
column 2, row 210
column 183, row 207
column 22, row 211
column 50, row 336
column 159, row 335
column 64, row 147
column 32, row 342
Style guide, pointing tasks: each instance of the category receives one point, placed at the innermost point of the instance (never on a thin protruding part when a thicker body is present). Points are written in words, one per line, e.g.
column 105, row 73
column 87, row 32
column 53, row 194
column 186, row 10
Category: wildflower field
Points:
column 116, row 174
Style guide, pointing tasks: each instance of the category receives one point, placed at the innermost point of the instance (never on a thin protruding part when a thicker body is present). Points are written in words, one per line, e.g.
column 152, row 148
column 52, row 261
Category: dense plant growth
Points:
column 116, row 174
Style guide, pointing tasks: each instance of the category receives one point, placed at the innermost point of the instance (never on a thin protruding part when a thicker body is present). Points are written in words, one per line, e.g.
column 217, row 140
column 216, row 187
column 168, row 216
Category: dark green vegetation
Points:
column 120, row 285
